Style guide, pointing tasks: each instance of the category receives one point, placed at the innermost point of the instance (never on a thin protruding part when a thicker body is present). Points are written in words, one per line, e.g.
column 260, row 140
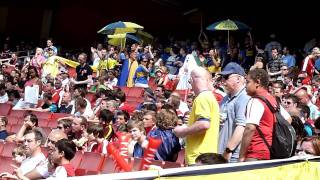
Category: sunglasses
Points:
column 287, row 102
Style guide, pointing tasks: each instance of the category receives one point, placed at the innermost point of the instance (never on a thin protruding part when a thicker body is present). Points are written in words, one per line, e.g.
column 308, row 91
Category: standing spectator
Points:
column 274, row 65
column 50, row 46
column 273, row 44
column 124, row 72
column 287, row 58
column 170, row 146
column 260, row 116
column 84, row 72
column 141, row 75
column 133, row 65
column 232, row 111
column 37, row 60
column 202, row 132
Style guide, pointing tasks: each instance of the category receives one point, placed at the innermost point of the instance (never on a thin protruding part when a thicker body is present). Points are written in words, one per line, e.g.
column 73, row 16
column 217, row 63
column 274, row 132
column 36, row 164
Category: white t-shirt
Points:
column 255, row 111
column 4, row 98
column 59, row 173
column 31, row 162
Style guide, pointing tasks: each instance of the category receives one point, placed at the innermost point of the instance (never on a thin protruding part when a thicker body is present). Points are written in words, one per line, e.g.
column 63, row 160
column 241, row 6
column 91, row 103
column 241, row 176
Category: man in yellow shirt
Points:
column 203, row 125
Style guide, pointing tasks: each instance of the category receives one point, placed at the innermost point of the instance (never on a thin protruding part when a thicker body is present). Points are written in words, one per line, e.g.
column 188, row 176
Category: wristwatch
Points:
column 228, row 150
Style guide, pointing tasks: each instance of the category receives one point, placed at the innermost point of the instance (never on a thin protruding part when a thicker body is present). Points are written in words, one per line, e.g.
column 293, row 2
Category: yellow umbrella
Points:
column 120, row 39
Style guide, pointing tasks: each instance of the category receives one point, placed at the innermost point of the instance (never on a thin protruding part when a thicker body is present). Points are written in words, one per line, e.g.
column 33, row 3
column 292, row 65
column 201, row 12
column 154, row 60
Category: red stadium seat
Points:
column 15, row 128
column 125, row 90
column 52, row 124
column 47, row 130
column 5, row 165
column 1, row 146
column 108, row 166
column 13, row 120
column 88, row 165
column 76, row 160
column 43, row 122
column 18, row 113
column 5, row 109
column 135, row 92
column 7, row 150
column 42, row 115
column 56, row 116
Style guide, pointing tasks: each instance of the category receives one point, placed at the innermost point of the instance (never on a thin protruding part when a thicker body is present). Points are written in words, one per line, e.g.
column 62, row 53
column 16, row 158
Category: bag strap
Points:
column 263, row 138
column 272, row 109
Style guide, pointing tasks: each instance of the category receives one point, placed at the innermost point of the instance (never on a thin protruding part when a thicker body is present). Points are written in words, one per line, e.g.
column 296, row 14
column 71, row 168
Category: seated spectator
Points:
column 170, row 146
column 48, row 105
column 122, row 118
column 79, row 129
column 65, row 105
column 139, row 139
column 149, row 121
column 30, row 123
column 65, row 125
column 96, row 141
column 210, row 158
column 3, row 94
column 105, row 119
column 3, row 127
column 309, row 145
column 81, row 109
column 111, row 79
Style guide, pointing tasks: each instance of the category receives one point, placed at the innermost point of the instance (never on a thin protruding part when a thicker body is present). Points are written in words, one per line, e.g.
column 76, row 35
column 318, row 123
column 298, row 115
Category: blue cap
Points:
column 233, row 68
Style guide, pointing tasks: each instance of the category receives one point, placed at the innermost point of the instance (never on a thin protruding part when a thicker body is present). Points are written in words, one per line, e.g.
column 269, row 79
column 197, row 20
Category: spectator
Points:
column 232, row 112
column 3, row 94
column 3, row 127
column 65, row 105
column 258, row 116
column 84, row 72
column 210, row 158
column 149, row 121
column 122, row 118
column 49, row 48
column 170, row 146
column 139, row 139
column 203, row 126
column 105, row 119
column 96, row 141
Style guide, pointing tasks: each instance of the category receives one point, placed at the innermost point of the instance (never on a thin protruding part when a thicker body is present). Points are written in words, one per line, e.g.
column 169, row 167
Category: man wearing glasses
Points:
column 232, row 111
column 40, row 170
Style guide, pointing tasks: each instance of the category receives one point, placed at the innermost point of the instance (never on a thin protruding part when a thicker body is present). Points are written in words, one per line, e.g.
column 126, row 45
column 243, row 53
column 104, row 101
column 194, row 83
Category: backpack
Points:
column 283, row 135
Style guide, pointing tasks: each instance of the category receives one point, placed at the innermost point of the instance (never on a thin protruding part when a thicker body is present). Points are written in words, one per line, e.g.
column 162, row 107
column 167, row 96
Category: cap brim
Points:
column 226, row 73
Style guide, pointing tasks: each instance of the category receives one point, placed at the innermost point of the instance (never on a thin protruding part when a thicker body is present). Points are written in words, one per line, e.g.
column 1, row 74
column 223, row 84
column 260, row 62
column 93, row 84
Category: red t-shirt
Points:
column 70, row 170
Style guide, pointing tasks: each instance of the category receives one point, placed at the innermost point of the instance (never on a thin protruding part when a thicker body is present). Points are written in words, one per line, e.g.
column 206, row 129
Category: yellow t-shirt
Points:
column 206, row 106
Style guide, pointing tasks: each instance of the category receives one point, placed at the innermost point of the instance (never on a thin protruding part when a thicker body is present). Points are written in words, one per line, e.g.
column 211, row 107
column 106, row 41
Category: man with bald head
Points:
column 41, row 171
column 305, row 98
column 203, row 125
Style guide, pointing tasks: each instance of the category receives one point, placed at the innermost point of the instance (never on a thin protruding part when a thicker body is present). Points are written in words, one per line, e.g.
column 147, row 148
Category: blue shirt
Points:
column 3, row 134
column 169, row 146
column 317, row 64
column 141, row 75
column 289, row 60
column 232, row 114
column 137, row 151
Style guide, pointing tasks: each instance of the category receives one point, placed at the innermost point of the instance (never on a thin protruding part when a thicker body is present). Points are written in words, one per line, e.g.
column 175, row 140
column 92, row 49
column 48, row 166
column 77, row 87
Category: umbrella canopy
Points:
column 228, row 25
column 145, row 37
column 120, row 28
column 120, row 39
